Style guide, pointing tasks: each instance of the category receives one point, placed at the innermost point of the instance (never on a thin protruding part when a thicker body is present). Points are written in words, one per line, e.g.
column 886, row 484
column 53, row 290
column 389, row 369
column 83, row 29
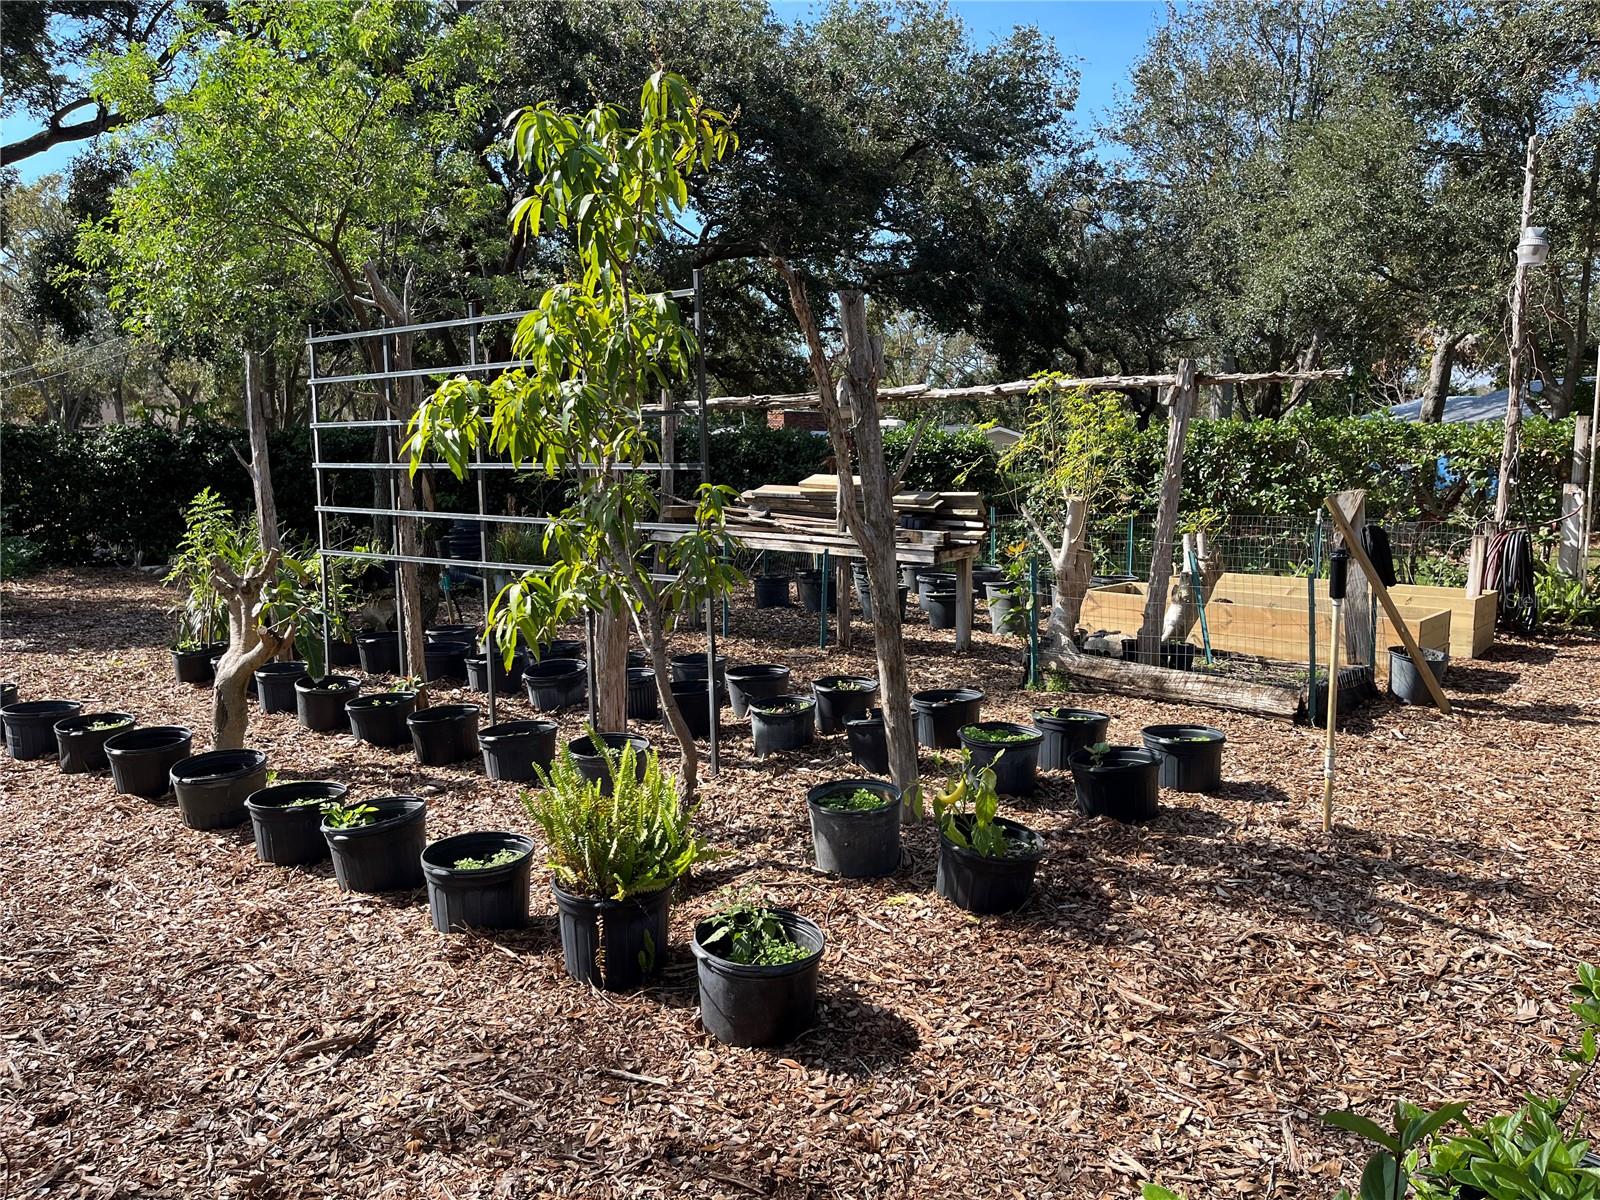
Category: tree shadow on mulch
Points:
column 1543, row 714
column 1253, row 791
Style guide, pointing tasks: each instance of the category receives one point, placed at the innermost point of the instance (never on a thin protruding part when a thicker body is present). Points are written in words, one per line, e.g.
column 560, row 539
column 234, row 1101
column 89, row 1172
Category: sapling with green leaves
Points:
column 750, row 933
column 967, row 808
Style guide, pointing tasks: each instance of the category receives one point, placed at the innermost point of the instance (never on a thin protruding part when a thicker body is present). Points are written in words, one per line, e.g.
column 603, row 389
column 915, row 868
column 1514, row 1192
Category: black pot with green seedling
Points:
column 379, row 718
column 986, row 862
column 840, row 698
column 81, row 740
column 1191, row 755
column 1066, row 731
column 779, row 723
column 1010, row 749
column 321, row 702
column 286, row 820
column 478, row 881
column 757, row 969
column 754, row 681
column 377, row 845
column 855, row 827
column 1120, row 782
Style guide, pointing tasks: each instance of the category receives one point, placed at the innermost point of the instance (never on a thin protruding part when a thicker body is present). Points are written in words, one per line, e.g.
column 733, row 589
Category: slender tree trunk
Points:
column 653, row 632
column 1561, row 405
column 255, row 421
column 249, row 645
column 1167, row 512
column 1439, row 373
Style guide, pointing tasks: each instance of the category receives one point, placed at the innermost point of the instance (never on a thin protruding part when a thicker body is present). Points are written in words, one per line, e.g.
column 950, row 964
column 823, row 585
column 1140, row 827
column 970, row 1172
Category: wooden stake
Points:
column 1332, row 715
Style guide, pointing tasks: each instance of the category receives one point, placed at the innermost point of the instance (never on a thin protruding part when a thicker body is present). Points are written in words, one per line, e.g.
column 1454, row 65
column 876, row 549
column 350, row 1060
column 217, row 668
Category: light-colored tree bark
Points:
column 1445, row 344
column 1188, row 589
column 249, row 645
column 1180, row 402
column 1073, row 563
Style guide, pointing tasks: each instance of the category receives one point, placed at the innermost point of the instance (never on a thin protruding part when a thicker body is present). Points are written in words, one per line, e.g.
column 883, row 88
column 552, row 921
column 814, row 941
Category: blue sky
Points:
column 1101, row 37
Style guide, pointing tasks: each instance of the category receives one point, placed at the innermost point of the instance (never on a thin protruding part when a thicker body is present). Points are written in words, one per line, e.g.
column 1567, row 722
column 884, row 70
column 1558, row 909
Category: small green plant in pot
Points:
column 616, row 854
column 478, row 881
column 986, row 862
column 757, row 968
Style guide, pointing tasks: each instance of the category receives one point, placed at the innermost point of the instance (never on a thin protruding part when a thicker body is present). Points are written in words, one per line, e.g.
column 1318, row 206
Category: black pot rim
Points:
column 38, row 710
column 208, row 649
column 695, row 656
column 1083, row 716
column 835, row 786
column 78, row 724
column 160, row 737
column 262, row 800
column 328, row 685
column 1035, row 838
column 507, row 731
column 793, row 922
column 766, row 705
column 443, row 712
column 377, row 635
column 380, row 700
column 1169, row 734
column 554, row 670
column 830, row 683
column 640, row 674
column 392, row 811
column 1036, row 735
column 438, row 857
column 204, row 768
column 281, row 668
column 758, row 671
column 448, row 646
column 641, row 744
column 1129, row 758
column 941, row 697
column 1429, row 654
column 603, row 904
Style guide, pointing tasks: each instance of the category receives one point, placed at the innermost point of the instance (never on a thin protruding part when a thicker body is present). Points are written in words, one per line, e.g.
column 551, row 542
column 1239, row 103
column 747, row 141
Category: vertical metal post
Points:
column 394, row 499
column 714, row 761
column 1333, row 720
column 822, row 607
column 322, row 517
column 1129, row 570
column 489, row 647
column 1033, row 620
column 589, row 668
column 993, row 535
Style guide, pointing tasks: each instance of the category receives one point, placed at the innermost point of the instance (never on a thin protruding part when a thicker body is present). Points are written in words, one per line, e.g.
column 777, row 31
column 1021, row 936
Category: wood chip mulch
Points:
column 1178, row 1002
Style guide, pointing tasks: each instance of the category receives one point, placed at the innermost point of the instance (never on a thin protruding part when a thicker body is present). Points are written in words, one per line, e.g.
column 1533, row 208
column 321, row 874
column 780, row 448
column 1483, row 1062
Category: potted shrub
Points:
column 757, row 968
column 598, row 755
column 379, row 718
column 321, row 701
column 142, row 758
column 379, row 651
column 505, row 680
column 986, row 863
column 444, row 733
column 553, row 683
column 753, row 680
column 616, row 856
column 478, row 881
column 1009, row 749
column 693, row 697
column 377, row 846
column 855, row 827
column 940, row 713
column 1067, row 730
column 275, row 685
column 841, row 697
column 445, row 658
column 780, row 723
column 1191, row 755
column 286, row 820
column 212, row 788
column 1120, row 782
column 512, row 749
column 31, row 726
column 772, row 591
column 209, row 532
column 868, row 742
column 644, row 704
column 81, row 740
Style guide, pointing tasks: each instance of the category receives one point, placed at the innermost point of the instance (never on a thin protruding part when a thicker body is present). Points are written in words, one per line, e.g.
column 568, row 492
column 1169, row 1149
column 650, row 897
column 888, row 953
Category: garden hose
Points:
column 1508, row 570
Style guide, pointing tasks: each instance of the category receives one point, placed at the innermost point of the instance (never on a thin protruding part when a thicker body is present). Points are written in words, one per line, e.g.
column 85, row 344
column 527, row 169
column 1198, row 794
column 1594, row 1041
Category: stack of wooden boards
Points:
column 935, row 518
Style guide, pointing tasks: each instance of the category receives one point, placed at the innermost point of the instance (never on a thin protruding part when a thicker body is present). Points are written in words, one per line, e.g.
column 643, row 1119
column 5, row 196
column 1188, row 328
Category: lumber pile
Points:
column 928, row 518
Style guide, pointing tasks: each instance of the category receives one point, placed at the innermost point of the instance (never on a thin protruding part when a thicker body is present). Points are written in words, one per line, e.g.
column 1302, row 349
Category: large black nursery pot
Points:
column 486, row 897
column 753, row 680
column 379, row 652
column 1067, row 730
column 941, row 608
column 444, row 733
column 31, row 726
column 379, row 718
column 809, row 585
column 644, row 702
column 1177, row 656
column 561, row 648
column 142, row 758
column 1015, row 763
column 693, row 697
column 342, row 653
column 856, row 843
column 445, row 659
column 478, row 667
column 868, row 742
column 275, row 685
column 591, row 762
column 693, row 666
column 933, row 579
column 759, row 1006
column 436, row 634
column 81, row 740
column 212, row 787
column 384, row 855
column 553, row 683
column 321, row 702
column 841, row 698
column 983, row 884
column 194, row 666
column 286, row 820
column 1124, row 785
column 1191, row 755
column 779, row 723
column 772, row 591
column 613, row 944
column 1405, row 683
column 511, row 749
column 864, row 598
column 940, row 713
column 8, row 694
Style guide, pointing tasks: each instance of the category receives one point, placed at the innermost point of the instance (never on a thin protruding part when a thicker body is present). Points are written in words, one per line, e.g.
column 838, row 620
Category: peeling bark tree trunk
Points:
column 1439, row 372
column 1182, row 405
column 1073, row 562
column 249, row 645
column 1183, row 599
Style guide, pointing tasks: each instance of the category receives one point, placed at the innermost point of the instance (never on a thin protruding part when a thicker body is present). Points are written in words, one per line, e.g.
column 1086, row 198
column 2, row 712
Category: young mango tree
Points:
column 599, row 347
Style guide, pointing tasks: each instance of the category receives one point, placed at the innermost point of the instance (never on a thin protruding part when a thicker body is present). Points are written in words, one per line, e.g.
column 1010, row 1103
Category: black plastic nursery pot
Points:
column 841, row 698
column 1015, row 763
column 941, row 712
column 444, row 733
column 981, row 884
column 561, row 648
column 212, row 787
column 592, row 764
column 941, row 608
column 1124, row 785
column 809, row 586
column 379, row 652
column 868, row 742
column 772, row 591
column 445, row 659
column 693, row 666
column 983, row 574
column 613, row 944
column 1177, row 656
column 644, row 703
column 275, row 685
column 8, row 694
column 1405, row 683
column 384, row 855
column 694, row 702
column 1067, row 730
column 752, row 681
column 81, row 740
column 194, row 666
column 342, row 653
column 511, row 749
column 461, row 898
column 379, row 718
column 142, row 758
column 321, row 702
column 286, row 820
column 450, row 633
column 864, row 596
column 504, row 681
column 934, row 579
column 1191, row 755
column 31, row 726
column 759, row 1006
column 779, row 723
column 553, row 683
column 856, row 843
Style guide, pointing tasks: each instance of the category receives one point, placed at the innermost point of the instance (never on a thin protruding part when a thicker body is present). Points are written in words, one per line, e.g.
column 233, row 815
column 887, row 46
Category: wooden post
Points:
column 1359, row 635
column 963, row 605
column 1515, row 381
column 1569, row 558
column 842, row 580
column 1181, row 400
column 1477, row 563
column 1332, row 715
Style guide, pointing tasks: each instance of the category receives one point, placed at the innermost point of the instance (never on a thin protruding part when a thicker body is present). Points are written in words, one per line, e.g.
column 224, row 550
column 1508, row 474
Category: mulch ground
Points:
column 1177, row 1002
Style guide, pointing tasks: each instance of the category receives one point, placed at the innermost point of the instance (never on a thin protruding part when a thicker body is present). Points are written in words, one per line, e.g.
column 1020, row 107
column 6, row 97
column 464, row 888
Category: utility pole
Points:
column 1514, row 381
